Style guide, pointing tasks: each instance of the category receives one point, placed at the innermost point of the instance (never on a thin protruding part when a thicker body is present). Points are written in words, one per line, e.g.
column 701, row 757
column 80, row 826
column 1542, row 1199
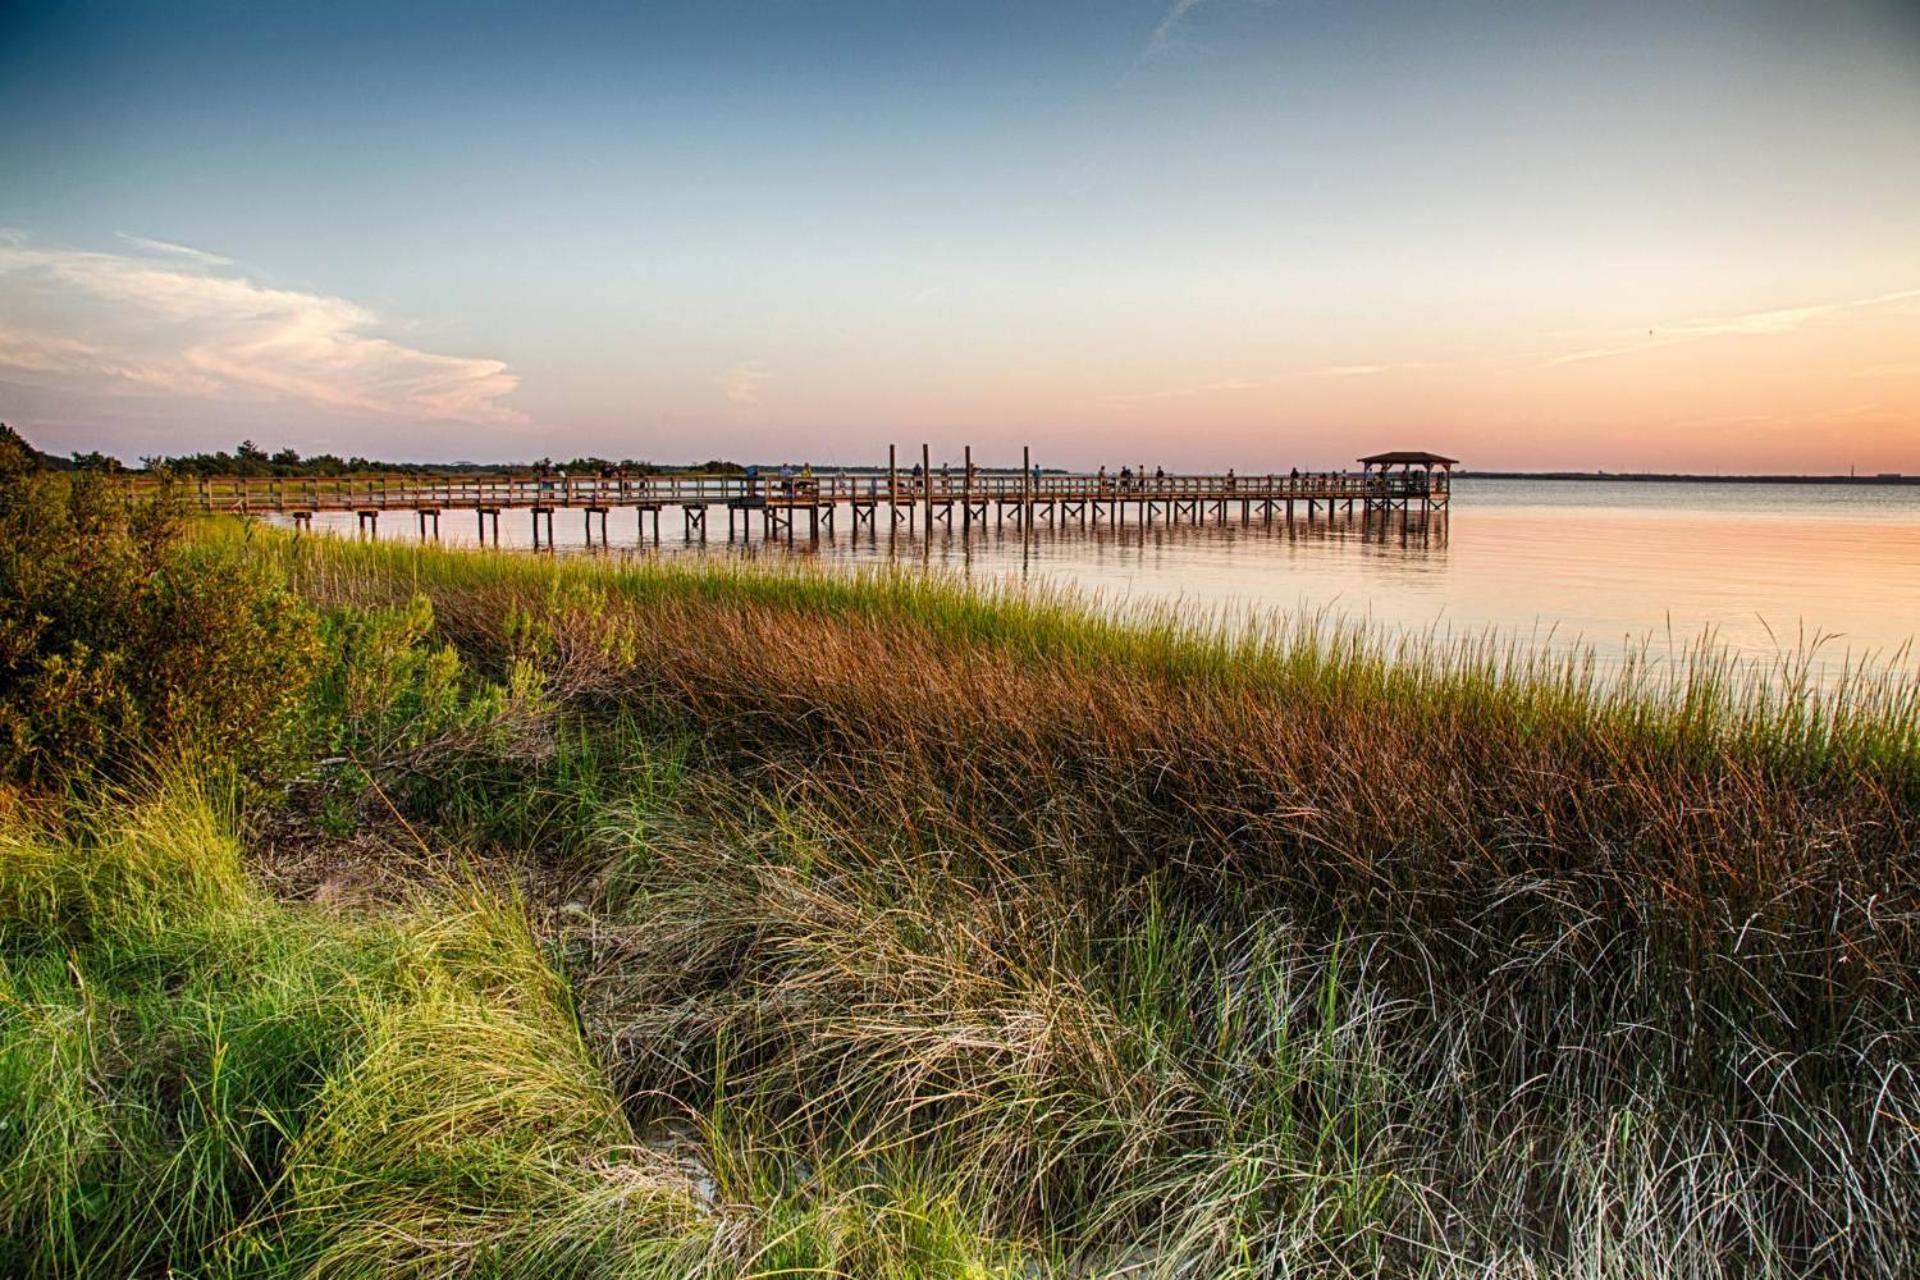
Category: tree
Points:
column 22, row 456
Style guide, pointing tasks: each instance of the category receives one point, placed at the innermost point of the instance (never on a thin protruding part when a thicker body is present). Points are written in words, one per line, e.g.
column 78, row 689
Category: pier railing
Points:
column 399, row 492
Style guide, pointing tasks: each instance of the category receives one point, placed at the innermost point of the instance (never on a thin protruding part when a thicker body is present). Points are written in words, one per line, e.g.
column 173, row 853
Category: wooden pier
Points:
column 923, row 497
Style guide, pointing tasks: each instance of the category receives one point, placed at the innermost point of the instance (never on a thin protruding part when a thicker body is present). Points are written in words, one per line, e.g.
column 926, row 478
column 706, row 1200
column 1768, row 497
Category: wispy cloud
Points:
column 177, row 250
column 178, row 320
column 1789, row 421
column 1126, row 401
column 1364, row 370
column 742, row 383
column 1162, row 38
column 25, row 352
column 1749, row 323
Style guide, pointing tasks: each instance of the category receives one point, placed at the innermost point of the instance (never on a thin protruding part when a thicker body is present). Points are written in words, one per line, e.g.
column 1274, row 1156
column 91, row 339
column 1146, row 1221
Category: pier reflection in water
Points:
column 1212, row 565
column 1765, row 568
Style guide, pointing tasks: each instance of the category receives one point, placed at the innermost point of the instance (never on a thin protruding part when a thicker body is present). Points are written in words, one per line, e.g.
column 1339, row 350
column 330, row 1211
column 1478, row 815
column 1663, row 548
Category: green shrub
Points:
column 122, row 642
column 392, row 697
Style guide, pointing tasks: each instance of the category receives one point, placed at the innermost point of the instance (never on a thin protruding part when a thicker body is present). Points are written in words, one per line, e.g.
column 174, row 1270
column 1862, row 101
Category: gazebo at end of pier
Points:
column 1417, row 480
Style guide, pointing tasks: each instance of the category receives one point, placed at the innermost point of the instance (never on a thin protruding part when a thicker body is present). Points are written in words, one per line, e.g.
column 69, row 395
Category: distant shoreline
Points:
column 1662, row 477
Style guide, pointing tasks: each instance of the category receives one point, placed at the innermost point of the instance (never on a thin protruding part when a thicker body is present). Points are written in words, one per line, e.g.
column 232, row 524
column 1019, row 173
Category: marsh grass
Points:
column 197, row 1079
column 1611, row 968
column 872, row 925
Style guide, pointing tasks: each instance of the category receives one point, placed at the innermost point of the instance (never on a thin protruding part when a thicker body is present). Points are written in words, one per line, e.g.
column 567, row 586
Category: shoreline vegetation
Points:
column 373, row 909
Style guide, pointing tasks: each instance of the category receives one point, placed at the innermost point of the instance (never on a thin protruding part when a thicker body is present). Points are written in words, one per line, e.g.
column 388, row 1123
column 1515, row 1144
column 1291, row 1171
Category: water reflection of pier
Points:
column 1405, row 494
column 1422, row 535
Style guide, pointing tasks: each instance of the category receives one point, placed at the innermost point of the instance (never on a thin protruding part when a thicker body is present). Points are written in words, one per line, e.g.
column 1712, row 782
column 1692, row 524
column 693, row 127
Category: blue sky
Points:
column 1218, row 232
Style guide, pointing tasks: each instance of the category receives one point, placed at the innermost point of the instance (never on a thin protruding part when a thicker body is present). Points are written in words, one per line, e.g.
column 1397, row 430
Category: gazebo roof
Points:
column 1409, row 457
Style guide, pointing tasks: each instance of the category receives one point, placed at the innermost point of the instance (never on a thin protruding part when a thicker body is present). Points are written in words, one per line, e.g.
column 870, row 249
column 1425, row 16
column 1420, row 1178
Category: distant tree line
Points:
column 249, row 459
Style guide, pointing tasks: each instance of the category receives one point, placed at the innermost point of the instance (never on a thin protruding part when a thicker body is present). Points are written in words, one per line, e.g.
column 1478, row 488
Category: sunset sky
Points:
column 1190, row 232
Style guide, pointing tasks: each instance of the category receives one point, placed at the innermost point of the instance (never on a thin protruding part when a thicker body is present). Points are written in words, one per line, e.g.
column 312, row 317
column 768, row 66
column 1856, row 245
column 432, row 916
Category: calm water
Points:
column 1762, row 567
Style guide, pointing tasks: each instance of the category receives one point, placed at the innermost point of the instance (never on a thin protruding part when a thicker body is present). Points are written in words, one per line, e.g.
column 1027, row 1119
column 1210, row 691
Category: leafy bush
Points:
column 396, row 701
column 122, row 642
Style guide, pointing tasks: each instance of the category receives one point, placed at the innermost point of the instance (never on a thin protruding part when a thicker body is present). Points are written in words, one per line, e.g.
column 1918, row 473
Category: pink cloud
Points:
column 182, row 321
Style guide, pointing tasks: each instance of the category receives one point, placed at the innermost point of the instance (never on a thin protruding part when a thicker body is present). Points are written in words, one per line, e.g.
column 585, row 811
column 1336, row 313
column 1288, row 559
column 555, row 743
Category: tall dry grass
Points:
column 1298, row 949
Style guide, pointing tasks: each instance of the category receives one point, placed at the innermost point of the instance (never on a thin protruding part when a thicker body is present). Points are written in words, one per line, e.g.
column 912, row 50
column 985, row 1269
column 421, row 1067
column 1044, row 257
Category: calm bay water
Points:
column 1764, row 568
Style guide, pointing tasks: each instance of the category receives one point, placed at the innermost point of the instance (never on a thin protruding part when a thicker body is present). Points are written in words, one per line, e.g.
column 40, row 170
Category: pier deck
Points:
column 960, row 496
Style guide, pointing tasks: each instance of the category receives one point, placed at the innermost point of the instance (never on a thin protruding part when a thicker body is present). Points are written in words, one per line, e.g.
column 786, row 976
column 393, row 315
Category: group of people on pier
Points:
column 1127, row 480
column 789, row 483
